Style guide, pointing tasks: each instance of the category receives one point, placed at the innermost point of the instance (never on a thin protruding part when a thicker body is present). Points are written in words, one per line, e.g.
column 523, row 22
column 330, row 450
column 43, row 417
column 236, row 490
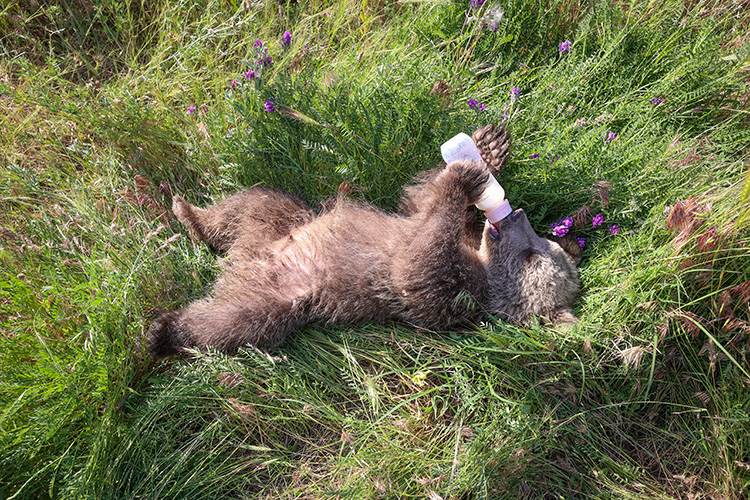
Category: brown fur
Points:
column 430, row 265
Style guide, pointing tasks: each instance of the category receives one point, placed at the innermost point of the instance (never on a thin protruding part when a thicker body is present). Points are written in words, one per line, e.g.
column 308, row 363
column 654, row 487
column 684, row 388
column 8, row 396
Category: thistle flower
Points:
column 191, row 110
column 614, row 229
column 269, row 106
column 597, row 220
column 565, row 46
column 286, row 39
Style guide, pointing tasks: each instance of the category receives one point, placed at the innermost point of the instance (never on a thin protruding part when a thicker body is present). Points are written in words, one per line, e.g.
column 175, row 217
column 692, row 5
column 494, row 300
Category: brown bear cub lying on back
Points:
column 432, row 265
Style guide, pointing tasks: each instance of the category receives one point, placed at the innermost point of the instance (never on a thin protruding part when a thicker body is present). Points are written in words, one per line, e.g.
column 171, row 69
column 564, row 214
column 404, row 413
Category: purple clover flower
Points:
column 258, row 43
column 610, row 137
column 614, row 229
column 561, row 228
column 657, row 100
column 476, row 105
column 565, row 46
column 250, row 74
column 233, row 84
column 597, row 220
column 191, row 110
column 269, row 106
column 534, row 155
column 515, row 93
column 286, row 39
column 581, row 242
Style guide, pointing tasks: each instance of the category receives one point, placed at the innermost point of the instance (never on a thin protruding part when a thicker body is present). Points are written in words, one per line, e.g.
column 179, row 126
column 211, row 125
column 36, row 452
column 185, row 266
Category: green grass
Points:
column 646, row 398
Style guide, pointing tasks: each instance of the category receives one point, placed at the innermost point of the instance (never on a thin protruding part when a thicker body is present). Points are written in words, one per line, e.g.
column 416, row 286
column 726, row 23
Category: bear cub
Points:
column 431, row 265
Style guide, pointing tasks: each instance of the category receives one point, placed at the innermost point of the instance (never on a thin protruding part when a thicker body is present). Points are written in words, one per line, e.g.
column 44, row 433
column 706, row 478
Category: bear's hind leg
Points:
column 258, row 215
column 223, row 324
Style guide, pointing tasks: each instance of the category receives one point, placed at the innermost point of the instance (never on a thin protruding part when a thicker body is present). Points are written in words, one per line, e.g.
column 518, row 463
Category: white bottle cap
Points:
column 460, row 147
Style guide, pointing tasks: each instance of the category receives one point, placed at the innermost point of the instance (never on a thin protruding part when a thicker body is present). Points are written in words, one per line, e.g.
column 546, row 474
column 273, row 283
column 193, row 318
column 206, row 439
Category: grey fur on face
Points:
column 430, row 265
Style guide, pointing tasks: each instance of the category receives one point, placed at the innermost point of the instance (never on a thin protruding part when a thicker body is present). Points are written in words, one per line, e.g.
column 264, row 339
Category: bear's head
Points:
column 529, row 276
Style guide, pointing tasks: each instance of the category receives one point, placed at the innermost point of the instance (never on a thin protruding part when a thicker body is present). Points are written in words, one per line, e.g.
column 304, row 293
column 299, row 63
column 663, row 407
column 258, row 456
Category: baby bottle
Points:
column 492, row 202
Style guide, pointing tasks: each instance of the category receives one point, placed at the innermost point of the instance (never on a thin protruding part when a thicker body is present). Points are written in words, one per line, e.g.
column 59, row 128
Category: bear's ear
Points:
column 569, row 243
column 563, row 318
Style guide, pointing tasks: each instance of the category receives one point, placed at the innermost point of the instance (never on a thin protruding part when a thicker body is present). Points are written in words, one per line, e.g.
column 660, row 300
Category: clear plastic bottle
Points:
column 492, row 202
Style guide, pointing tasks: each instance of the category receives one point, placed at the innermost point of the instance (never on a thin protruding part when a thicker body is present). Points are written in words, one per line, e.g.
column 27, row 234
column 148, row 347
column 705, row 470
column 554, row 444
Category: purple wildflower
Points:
column 657, row 100
column 561, row 228
column 559, row 231
column 233, row 84
column 581, row 242
column 269, row 106
column 493, row 27
column 614, row 229
column 565, row 46
column 515, row 93
column 597, row 220
column 534, row 155
column 191, row 109
column 553, row 159
column 476, row 105
column 250, row 74
column 258, row 43
column 286, row 39
column 610, row 137
column 477, row 3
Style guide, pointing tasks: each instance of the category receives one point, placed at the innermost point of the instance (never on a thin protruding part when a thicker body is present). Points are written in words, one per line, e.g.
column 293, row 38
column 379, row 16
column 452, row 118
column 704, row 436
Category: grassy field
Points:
column 636, row 110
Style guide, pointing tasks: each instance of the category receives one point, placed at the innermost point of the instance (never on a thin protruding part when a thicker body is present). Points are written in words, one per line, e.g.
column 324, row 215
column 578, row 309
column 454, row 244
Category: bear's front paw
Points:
column 469, row 178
